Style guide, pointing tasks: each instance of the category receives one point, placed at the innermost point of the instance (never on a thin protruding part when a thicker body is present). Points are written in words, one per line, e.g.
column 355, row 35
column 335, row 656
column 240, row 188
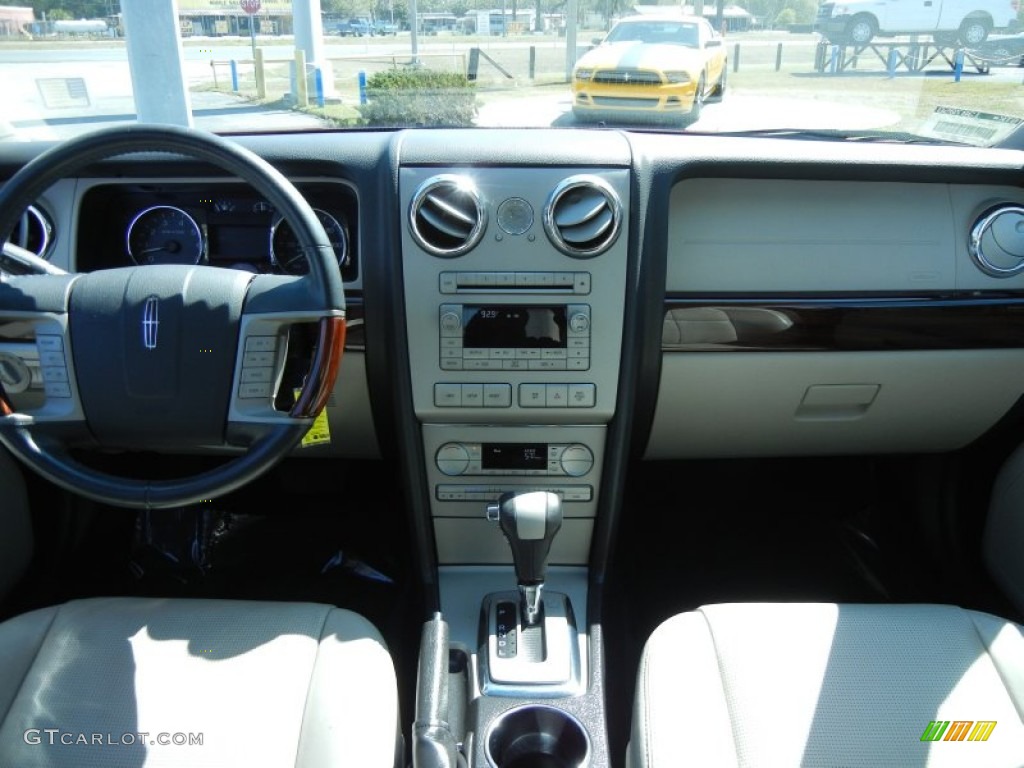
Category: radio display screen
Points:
column 513, row 326
column 514, row 456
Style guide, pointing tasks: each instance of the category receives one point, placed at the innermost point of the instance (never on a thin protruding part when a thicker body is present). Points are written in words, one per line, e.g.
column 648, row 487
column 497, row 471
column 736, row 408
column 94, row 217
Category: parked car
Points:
column 1001, row 50
column 651, row 67
column 858, row 22
column 354, row 28
column 385, row 28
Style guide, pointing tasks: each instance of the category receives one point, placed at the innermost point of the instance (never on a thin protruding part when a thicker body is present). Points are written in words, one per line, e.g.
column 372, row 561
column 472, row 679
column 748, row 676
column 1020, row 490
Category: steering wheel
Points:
column 166, row 357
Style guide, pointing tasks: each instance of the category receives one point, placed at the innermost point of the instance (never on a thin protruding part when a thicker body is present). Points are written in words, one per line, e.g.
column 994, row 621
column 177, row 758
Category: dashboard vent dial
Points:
column 997, row 241
column 447, row 217
column 33, row 232
column 583, row 216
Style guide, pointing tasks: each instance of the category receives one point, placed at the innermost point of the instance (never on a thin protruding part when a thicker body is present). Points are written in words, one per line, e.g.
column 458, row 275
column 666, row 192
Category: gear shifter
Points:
column 529, row 522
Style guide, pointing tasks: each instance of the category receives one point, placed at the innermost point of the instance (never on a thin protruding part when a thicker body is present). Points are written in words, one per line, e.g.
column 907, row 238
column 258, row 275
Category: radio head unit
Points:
column 482, row 336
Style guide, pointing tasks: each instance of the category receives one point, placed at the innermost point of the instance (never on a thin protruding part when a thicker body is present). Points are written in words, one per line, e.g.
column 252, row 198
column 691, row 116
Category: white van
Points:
column 857, row 22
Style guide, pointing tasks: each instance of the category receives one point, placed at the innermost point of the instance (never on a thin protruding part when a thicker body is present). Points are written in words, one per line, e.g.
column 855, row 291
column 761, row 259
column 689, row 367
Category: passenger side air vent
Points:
column 446, row 216
column 583, row 216
column 33, row 232
column 997, row 241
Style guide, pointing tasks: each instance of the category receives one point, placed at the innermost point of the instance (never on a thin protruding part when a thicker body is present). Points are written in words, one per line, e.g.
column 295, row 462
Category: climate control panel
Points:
column 514, row 459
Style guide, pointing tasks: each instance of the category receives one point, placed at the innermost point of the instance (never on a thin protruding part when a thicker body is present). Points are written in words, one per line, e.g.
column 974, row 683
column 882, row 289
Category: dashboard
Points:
column 536, row 314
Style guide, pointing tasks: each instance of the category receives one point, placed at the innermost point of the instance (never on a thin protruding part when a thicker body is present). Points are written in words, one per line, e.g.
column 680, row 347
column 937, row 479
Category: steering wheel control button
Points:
column 49, row 342
column 249, row 391
column 452, row 459
column 261, row 344
column 255, row 375
column 57, row 389
column 55, row 374
column 56, row 381
column 257, row 359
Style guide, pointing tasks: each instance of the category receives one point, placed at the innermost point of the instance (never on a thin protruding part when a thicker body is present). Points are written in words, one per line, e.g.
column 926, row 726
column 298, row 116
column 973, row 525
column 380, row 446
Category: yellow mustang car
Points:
column 651, row 67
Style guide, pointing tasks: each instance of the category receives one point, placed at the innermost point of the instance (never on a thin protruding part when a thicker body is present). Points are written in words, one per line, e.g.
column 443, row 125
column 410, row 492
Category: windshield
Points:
column 878, row 70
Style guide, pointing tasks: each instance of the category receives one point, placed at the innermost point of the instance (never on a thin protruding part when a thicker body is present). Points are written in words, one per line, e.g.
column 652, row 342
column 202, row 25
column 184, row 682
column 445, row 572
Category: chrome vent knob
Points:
column 997, row 241
column 583, row 216
column 447, row 217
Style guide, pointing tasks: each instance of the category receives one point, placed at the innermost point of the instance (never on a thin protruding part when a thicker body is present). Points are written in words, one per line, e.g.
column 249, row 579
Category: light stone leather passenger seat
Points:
column 801, row 684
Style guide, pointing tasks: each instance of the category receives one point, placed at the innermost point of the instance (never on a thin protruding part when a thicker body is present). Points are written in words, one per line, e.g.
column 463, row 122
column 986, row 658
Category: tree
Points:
column 75, row 9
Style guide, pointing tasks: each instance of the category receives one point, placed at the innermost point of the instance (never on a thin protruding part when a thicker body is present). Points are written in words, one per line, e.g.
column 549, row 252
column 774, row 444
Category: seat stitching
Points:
column 988, row 651
column 309, row 683
column 648, row 742
column 721, row 678
column 31, row 664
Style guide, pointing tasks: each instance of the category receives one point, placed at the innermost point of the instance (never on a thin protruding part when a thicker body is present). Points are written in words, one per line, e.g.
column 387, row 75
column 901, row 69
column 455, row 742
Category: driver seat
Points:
column 175, row 682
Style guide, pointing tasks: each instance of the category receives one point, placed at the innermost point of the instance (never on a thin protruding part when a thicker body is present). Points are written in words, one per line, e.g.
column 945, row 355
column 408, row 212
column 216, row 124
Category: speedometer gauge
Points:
column 163, row 234
column 286, row 252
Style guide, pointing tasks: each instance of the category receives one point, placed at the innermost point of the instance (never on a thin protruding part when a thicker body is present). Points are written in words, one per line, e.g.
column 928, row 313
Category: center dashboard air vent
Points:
column 447, row 217
column 583, row 216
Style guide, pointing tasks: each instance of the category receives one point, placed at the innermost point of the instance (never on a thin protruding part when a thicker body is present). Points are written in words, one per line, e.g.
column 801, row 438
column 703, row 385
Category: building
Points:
column 734, row 18
column 214, row 18
column 15, row 21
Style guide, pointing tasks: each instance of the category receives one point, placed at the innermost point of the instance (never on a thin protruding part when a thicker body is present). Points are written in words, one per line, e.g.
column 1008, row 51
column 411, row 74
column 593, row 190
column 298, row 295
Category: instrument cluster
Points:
column 225, row 225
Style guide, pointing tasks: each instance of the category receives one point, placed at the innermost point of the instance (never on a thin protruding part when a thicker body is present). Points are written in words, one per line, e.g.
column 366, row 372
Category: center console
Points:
column 514, row 283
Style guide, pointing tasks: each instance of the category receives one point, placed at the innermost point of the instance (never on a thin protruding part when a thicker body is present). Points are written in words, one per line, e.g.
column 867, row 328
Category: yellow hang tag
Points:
column 320, row 431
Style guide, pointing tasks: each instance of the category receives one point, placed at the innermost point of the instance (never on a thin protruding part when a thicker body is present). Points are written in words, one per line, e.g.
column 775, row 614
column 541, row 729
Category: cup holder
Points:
column 536, row 736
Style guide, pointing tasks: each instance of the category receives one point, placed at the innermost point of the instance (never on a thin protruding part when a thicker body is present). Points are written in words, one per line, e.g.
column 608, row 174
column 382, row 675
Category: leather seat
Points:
column 119, row 682
column 793, row 684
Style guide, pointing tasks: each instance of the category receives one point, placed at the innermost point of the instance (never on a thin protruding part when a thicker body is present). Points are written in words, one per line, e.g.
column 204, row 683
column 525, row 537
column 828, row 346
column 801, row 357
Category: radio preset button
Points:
column 447, row 395
column 472, row 395
column 497, row 395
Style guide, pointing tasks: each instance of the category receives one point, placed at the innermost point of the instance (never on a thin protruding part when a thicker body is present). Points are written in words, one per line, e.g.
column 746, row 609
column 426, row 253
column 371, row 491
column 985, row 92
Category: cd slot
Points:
column 576, row 283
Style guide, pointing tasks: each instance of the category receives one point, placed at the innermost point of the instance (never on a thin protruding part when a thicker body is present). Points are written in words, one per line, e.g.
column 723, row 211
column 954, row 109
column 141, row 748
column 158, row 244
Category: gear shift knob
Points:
column 529, row 522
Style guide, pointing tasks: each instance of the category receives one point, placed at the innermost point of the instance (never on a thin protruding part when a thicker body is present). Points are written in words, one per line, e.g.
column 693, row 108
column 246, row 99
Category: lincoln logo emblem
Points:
column 150, row 321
